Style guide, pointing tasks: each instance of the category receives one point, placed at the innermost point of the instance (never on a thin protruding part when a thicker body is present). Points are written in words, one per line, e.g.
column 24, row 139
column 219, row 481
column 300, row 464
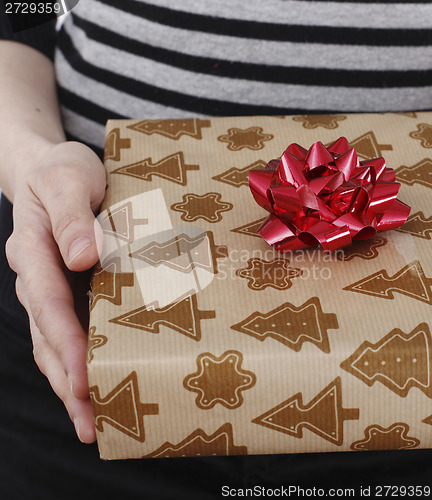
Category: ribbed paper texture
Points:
column 204, row 341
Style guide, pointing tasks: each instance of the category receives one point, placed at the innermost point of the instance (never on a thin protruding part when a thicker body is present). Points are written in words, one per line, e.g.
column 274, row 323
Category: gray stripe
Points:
column 82, row 128
column 356, row 15
column 263, row 52
column 109, row 98
column 249, row 92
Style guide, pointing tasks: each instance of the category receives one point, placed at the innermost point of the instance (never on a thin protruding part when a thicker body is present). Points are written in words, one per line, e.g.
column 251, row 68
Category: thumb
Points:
column 69, row 194
column 75, row 229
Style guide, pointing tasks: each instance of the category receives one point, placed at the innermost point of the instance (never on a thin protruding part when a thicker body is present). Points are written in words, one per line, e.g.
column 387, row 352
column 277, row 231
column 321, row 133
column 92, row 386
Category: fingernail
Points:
column 71, row 385
column 76, row 424
column 78, row 246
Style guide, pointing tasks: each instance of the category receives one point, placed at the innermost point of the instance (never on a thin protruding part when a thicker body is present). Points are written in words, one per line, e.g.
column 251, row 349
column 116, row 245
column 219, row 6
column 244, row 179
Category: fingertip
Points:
column 82, row 254
column 76, row 422
column 78, row 246
column 79, row 389
column 87, row 435
column 85, row 431
column 76, row 372
column 83, row 420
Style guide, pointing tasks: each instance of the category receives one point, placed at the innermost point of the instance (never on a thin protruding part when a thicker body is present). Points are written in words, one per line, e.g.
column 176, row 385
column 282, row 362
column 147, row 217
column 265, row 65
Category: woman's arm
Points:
column 56, row 187
column 30, row 118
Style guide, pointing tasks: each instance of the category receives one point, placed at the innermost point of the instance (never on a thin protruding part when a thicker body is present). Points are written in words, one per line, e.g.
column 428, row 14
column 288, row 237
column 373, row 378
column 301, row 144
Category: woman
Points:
column 157, row 59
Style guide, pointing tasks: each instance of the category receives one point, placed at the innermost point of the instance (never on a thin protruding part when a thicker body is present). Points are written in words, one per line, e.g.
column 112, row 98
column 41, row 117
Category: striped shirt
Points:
column 171, row 58
column 178, row 58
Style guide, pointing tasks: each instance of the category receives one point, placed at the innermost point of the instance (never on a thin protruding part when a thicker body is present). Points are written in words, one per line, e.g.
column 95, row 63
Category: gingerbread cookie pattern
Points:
column 107, row 282
column 420, row 173
column 173, row 129
column 207, row 206
column 315, row 121
column 199, row 443
column 410, row 280
column 114, row 144
column 394, row 437
column 239, row 176
column 172, row 168
column 251, row 138
column 183, row 317
column 122, row 408
column 220, row 380
column 184, row 253
column 363, row 249
column 292, row 325
column 400, row 361
column 324, row 415
column 423, row 134
column 251, row 228
column 261, row 274
column 94, row 341
column 418, row 225
column 120, row 222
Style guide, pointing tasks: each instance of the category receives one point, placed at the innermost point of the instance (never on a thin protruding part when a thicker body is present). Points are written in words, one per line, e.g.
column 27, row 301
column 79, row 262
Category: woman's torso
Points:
column 164, row 58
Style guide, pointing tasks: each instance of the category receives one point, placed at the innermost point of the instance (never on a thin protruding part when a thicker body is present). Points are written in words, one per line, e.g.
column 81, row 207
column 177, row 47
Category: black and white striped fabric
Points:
column 179, row 58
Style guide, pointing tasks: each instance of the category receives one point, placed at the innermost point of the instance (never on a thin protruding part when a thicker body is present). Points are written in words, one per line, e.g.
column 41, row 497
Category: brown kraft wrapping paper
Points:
column 205, row 341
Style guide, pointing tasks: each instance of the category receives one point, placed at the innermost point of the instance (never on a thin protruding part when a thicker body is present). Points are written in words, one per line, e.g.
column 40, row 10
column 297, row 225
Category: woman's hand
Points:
column 54, row 233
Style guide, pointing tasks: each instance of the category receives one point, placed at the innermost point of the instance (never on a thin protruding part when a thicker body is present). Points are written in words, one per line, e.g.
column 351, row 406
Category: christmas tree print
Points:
column 401, row 361
column 250, row 228
column 107, row 282
column 173, row 129
column 367, row 146
column 122, row 408
column 420, row 173
column 172, row 168
column 120, row 223
column 418, row 225
column 239, row 176
column 428, row 420
column 323, row 415
column 182, row 316
column 114, row 144
column 184, row 253
column 199, row 443
column 394, row 437
column 292, row 325
column 410, row 280
column 409, row 114
column 364, row 249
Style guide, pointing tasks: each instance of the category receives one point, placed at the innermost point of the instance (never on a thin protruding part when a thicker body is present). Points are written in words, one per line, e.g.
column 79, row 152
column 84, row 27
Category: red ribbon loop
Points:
column 326, row 196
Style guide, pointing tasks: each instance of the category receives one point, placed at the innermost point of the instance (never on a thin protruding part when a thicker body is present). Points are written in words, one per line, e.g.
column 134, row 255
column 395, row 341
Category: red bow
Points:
column 326, row 196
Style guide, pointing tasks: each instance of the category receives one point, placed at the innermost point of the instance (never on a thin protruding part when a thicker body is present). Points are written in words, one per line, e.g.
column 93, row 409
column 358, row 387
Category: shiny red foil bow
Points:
column 326, row 196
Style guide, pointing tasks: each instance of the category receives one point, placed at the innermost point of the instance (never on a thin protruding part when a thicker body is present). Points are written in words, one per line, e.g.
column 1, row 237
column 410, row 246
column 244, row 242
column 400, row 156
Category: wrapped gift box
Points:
column 205, row 341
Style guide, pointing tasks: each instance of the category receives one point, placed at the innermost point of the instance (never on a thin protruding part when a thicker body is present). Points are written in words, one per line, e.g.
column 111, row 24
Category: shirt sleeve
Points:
column 40, row 37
